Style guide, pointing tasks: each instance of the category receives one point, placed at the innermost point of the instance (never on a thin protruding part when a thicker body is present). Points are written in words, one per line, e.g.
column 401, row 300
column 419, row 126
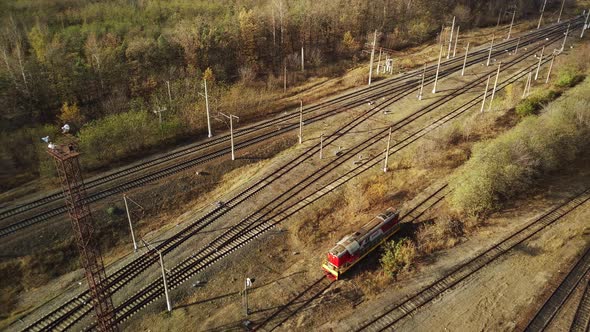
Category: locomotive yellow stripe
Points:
column 330, row 270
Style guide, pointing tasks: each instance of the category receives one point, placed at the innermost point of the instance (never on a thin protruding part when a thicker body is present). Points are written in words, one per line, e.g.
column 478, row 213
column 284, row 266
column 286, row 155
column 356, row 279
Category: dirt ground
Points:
column 287, row 259
column 506, row 294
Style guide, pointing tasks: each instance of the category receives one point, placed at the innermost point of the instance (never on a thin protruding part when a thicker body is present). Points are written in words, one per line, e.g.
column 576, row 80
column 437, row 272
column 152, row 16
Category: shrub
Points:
column 442, row 234
column 398, row 255
column 532, row 104
column 568, row 77
column 509, row 164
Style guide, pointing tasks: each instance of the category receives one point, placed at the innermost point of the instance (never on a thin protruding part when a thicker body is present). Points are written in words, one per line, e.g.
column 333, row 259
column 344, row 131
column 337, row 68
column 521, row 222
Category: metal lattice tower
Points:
column 68, row 169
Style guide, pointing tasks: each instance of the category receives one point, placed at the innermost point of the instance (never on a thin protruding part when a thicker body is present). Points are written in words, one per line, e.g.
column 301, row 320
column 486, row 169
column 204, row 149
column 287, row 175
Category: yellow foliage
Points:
column 70, row 113
column 208, row 75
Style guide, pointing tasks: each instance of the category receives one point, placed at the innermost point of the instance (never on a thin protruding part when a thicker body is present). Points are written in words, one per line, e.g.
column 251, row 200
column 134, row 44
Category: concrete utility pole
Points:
column 550, row 68
column 387, row 151
column 147, row 245
column 451, row 38
column 422, row 85
column 539, row 64
column 560, row 11
column 527, row 86
column 485, row 94
column 585, row 24
column 495, row 85
column 159, row 111
column 302, row 60
column 231, row 132
column 129, row 219
column 490, row 53
column 372, row 57
column 321, row 146
column 379, row 60
column 301, row 122
column 516, row 48
column 541, row 17
column 207, row 106
column 565, row 38
column 465, row 60
column 169, row 94
column 511, row 24
column 500, row 17
column 456, row 41
column 437, row 70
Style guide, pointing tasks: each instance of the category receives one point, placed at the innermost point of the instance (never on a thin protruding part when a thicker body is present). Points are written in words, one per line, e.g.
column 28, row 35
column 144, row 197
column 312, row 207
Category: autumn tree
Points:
column 70, row 114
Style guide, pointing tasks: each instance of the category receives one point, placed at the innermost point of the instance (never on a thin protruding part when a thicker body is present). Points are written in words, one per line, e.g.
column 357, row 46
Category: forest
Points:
column 105, row 67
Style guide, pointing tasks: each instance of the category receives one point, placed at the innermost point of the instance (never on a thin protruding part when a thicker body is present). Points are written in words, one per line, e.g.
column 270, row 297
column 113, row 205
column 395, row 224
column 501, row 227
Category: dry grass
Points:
column 443, row 233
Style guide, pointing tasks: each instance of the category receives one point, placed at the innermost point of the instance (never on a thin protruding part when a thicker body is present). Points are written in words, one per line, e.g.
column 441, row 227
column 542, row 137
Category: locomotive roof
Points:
column 350, row 239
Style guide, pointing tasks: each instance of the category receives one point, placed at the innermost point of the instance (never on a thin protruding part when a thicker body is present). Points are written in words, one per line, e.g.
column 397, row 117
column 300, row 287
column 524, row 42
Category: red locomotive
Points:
column 353, row 247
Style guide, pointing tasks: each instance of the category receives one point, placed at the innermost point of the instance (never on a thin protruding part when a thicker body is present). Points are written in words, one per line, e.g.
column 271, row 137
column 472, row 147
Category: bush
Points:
column 397, row 256
column 568, row 77
column 532, row 104
column 443, row 234
column 509, row 164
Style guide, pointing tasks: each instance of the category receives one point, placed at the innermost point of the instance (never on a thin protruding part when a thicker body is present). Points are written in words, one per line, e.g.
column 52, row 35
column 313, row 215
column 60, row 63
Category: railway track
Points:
column 69, row 313
column 581, row 322
column 295, row 305
column 319, row 287
column 378, row 90
column 258, row 223
column 555, row 302
column 388, row 319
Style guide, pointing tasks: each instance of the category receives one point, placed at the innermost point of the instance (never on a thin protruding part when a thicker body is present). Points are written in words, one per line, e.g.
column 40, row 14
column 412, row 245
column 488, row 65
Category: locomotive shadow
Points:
column 371, row 262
